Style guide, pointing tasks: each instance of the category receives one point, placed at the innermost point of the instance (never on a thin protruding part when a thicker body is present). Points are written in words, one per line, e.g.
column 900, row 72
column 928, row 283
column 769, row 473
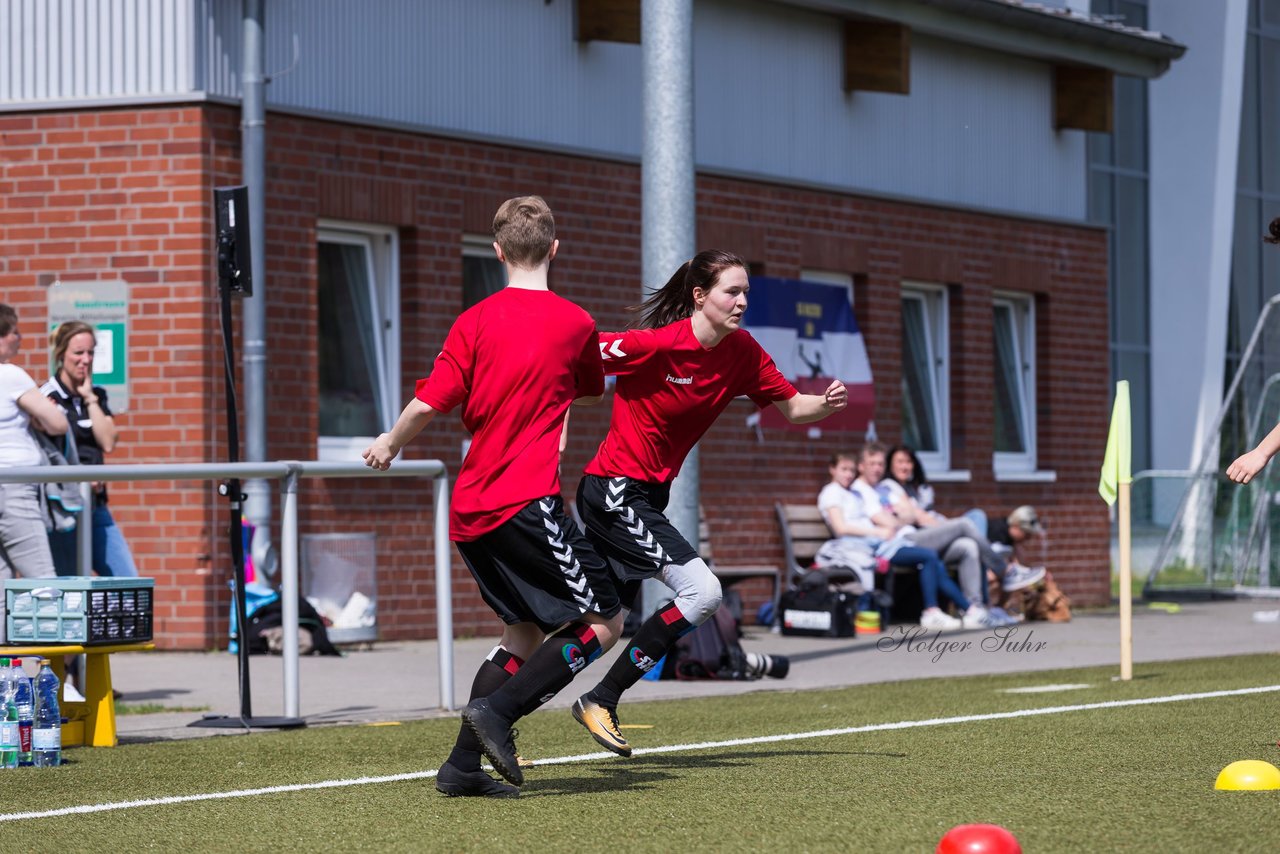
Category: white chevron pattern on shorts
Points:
column 613, row 498
column 634, row 524
column 569, row 565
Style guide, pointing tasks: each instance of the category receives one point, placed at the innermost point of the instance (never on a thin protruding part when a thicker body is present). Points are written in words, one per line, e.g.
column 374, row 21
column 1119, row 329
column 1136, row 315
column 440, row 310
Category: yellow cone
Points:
column 1249, row 775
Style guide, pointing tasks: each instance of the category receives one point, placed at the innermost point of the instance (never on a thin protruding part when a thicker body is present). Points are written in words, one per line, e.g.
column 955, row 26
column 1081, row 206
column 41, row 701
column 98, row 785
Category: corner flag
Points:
column 1117, row 463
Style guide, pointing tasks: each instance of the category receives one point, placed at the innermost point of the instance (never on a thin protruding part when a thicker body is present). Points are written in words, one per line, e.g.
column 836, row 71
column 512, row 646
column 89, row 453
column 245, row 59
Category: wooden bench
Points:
column 803, row 533
column 92, row 722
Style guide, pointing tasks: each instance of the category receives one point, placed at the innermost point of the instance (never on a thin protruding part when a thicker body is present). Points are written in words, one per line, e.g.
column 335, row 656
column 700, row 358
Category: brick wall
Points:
column 100, row 195
column 124, row 193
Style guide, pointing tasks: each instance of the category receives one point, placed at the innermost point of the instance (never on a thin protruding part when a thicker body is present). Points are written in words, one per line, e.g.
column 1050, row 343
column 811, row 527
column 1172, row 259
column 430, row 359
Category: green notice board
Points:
column 105, row 304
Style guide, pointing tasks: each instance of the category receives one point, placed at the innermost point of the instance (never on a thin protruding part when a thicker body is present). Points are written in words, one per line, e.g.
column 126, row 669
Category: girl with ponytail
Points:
column 684, row 359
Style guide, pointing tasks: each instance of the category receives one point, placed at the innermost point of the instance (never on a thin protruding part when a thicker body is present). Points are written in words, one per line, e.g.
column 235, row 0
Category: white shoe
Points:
column 935, row 618
column 70, row 694
column 977, row 618
column 1019, row 577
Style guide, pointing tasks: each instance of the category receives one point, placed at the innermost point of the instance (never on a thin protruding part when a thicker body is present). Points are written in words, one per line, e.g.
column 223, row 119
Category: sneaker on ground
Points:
column 70, row 693
column 977, row 617
column 471, row 784
column 1018, row 577
column 602, row 723
column 1002, row 617
column 494, row 734
column 934, row 618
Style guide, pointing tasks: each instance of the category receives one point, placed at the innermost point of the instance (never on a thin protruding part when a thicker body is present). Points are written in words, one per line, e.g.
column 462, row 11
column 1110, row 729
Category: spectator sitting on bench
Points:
column 852, row 508
column 912, row 498
column 1018, row 528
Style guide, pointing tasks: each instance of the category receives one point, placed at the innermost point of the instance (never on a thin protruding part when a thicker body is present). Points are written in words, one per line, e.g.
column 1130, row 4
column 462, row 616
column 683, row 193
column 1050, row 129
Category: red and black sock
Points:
column 494, row 672
column 547, row 671
column 656, row 636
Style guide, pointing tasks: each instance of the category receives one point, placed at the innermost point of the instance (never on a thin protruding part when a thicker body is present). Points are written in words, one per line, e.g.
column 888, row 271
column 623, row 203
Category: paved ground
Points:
column 400, row 680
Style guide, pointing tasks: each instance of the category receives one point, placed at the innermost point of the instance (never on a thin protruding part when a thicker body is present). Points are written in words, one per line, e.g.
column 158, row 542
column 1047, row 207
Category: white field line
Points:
column 671, row 748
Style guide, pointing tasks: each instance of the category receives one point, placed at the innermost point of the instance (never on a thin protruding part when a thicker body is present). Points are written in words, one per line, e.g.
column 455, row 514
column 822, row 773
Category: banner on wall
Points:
column 105, row 304
column 810, row 331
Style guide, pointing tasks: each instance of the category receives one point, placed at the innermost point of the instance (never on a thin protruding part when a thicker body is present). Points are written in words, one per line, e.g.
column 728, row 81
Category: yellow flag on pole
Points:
column 1117, row 463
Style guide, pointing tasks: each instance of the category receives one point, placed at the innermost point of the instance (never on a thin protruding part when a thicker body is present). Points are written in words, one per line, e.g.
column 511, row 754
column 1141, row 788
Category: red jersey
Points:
column 515, row 361
column 670, row 391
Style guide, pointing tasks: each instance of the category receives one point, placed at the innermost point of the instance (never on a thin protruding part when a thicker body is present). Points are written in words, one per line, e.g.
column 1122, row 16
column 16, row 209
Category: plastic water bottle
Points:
column 46, row 737
column 8, row 719
column 24, row 700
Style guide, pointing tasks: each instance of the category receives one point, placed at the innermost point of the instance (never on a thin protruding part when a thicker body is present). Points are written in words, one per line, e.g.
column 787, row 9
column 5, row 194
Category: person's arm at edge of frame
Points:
column 412, row 420
column 1247, row 465
column 807, row 408
column 45, row 414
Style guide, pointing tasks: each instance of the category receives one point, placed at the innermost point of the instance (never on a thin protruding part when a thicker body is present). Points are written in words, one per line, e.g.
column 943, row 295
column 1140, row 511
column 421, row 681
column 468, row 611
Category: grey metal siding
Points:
column 67, row 50
column 976, row 129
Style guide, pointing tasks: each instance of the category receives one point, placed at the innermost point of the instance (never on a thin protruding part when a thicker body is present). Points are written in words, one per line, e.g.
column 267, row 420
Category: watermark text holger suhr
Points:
column 915, row 639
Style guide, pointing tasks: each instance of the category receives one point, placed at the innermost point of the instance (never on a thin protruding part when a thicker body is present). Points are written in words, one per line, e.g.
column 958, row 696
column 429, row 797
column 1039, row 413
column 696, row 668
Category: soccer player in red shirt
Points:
column 515, row 362
column 676, row 374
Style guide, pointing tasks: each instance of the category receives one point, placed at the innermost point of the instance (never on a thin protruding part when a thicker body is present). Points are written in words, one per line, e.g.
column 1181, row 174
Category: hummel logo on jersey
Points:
column 680, row 380
column 611, row 350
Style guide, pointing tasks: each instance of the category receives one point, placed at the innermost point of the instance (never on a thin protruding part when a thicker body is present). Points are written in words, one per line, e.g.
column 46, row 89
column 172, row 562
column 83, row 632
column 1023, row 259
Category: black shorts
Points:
column 536, row 567
column 625, row 523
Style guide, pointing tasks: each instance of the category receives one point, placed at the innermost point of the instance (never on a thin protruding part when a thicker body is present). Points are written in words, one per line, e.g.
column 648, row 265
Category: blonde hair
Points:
column 525, row 229
column 62, row 336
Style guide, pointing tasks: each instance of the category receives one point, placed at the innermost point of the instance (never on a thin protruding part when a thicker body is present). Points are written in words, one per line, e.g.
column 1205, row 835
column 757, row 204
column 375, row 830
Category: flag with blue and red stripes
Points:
column 810, row 331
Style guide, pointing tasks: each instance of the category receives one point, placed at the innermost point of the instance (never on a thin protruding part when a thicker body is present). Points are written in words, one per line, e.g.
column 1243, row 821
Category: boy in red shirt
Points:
column 515, row 362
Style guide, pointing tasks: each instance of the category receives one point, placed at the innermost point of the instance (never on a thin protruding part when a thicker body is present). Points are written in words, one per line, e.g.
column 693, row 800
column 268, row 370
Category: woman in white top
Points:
column 24, row 539
column 852, row 508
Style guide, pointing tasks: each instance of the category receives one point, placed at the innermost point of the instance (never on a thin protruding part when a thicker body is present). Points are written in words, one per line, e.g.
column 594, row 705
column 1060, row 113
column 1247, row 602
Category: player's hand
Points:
column 1246, row 466
column 380, row 454
column 85, row 389
column 836, row 397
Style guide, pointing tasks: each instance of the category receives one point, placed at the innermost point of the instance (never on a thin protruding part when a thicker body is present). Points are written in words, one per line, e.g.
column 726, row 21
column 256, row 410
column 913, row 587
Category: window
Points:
column 359, row 336
column 829, row 277
column 1015, row 439
column 926, row 366
column 482, row 273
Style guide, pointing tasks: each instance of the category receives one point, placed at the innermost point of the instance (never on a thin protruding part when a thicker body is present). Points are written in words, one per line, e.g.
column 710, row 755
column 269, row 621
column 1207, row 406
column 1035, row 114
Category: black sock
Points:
column 493, row 674
column 547, row 671
column 656, row 636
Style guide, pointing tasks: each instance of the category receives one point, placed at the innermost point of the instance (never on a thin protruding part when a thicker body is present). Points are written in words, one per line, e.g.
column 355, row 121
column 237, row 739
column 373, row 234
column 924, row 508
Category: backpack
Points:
column 61, row 500
column 266, row 630
column 711, row 651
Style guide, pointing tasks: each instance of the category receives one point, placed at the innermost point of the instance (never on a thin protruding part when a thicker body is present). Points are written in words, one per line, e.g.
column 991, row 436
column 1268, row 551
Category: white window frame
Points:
column 480, row 246
column 382, row 246
column 935, row 302
column 1022, row 308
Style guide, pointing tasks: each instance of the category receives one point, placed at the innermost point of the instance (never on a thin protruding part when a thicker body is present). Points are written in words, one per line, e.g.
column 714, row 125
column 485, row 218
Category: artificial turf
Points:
column 1136, row 778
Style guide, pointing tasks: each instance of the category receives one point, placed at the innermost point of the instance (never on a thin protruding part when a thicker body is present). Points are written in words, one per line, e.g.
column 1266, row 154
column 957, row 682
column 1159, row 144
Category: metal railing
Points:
column 288, row 472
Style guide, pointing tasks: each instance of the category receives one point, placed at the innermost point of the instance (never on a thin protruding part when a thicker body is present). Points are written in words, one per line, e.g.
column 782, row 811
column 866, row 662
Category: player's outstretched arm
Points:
column 806, row 408
column 416, row 415
column 1248, row 465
